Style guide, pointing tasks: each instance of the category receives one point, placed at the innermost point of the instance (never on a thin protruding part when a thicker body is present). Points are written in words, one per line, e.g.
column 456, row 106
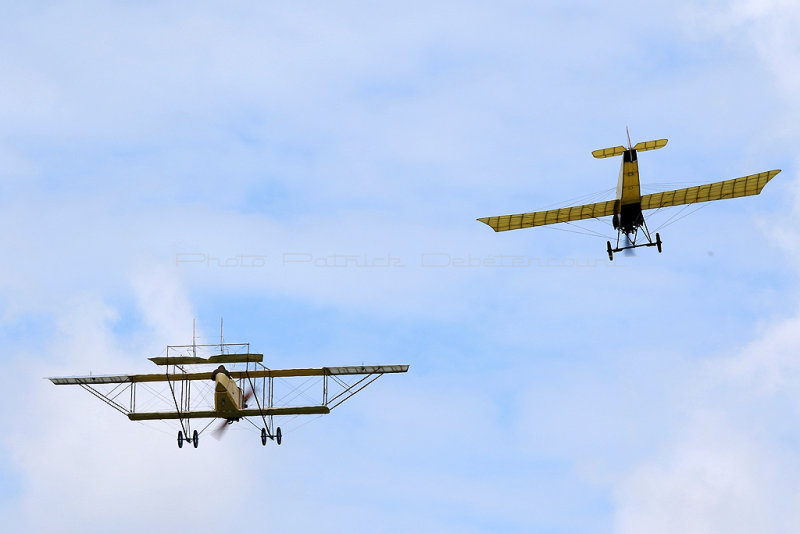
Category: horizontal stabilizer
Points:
column 219, row 358
column 541, row 218
column 609, row 152
column 650, row 145
column 738, row 187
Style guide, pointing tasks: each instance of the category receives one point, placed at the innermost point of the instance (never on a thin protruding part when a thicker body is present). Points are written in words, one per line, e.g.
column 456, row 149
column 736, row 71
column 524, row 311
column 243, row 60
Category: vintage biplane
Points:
column 230, row 384
column 626, row 209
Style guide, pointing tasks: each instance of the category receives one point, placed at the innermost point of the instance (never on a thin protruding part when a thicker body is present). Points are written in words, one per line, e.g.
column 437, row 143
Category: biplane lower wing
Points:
column 541, row 218
column 212, row 414
column 737, row 187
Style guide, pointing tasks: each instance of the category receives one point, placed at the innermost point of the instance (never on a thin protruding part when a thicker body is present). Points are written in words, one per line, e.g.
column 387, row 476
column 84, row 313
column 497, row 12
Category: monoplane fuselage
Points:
column 629, row 213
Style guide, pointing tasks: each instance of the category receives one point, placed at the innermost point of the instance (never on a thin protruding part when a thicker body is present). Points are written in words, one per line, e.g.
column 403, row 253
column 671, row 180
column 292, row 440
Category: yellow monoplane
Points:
column 185, row 393
column 626, row 209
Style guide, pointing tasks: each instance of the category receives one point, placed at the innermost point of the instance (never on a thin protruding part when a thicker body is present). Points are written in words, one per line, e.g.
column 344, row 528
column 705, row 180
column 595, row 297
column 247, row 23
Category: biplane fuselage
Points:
column 227, row 396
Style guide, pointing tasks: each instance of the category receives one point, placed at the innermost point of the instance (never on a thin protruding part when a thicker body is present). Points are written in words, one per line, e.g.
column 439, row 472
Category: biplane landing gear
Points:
column 610, row 251
column 658, row 242
column 194, row 440
column 264, row 435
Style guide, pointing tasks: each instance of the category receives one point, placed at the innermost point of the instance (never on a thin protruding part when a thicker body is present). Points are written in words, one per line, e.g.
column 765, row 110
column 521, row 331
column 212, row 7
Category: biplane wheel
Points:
column 180, row 439
column 195, row 439
column 278, row 435
column 658, row 242
column 263, row 436
column 610, row 252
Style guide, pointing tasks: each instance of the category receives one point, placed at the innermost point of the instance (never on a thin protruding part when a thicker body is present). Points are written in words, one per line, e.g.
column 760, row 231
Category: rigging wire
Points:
column 301, row 425
column 208, row 425
column 672, row 217
column 672, row 220
column 578, row 200
column 585, row 231
column 152, row 427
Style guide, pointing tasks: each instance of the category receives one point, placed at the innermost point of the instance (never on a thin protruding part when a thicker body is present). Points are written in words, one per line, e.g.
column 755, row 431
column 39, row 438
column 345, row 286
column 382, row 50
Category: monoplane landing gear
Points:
column 631, row 234
column 195, row 439
column 263, row 436
column 180, row 439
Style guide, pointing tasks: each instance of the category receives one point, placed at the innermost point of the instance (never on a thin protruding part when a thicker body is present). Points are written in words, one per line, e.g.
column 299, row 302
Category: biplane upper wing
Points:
column 257, row 373
column 737, row 187
column 211, row 414
column 540, row 218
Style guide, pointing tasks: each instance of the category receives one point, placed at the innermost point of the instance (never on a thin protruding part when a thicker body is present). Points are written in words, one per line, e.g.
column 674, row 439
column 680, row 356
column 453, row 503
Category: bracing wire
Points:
column 677, row 217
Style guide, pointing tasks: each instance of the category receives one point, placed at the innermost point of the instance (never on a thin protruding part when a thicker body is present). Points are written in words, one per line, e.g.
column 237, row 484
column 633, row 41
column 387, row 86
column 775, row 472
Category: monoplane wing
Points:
column 738, row 187
column 211, row 414
column 540, row 218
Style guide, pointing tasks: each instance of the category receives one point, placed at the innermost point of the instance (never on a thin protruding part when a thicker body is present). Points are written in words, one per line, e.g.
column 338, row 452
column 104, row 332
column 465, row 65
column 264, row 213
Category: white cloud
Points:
column 163, row 301
column 715, row 478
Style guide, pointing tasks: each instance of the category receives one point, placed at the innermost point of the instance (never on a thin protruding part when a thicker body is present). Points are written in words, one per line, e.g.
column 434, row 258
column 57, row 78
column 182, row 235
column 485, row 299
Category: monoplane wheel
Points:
column 263, row 436
column 658, row 242
column 610, row 252
column 195, row 439
column 278, row 435
column 180, row 439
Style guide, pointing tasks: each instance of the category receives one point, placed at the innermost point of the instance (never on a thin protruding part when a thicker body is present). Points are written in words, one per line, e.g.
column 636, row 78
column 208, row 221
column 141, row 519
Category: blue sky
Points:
column 655, row 394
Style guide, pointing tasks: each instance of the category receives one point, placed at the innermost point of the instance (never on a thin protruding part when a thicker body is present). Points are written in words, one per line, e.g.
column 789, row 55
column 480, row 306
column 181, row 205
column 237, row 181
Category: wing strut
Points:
column 267, row 431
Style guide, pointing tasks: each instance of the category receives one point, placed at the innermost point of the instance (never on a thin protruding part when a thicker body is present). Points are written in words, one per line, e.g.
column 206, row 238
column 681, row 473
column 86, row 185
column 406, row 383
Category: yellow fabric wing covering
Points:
column 650, row 145
column 608, row 152
column 738, row 187
column 540, row 218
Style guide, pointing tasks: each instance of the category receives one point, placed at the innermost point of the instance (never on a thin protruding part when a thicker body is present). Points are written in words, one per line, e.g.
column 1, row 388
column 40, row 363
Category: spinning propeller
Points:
column 220, row 430
column 628, row 251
